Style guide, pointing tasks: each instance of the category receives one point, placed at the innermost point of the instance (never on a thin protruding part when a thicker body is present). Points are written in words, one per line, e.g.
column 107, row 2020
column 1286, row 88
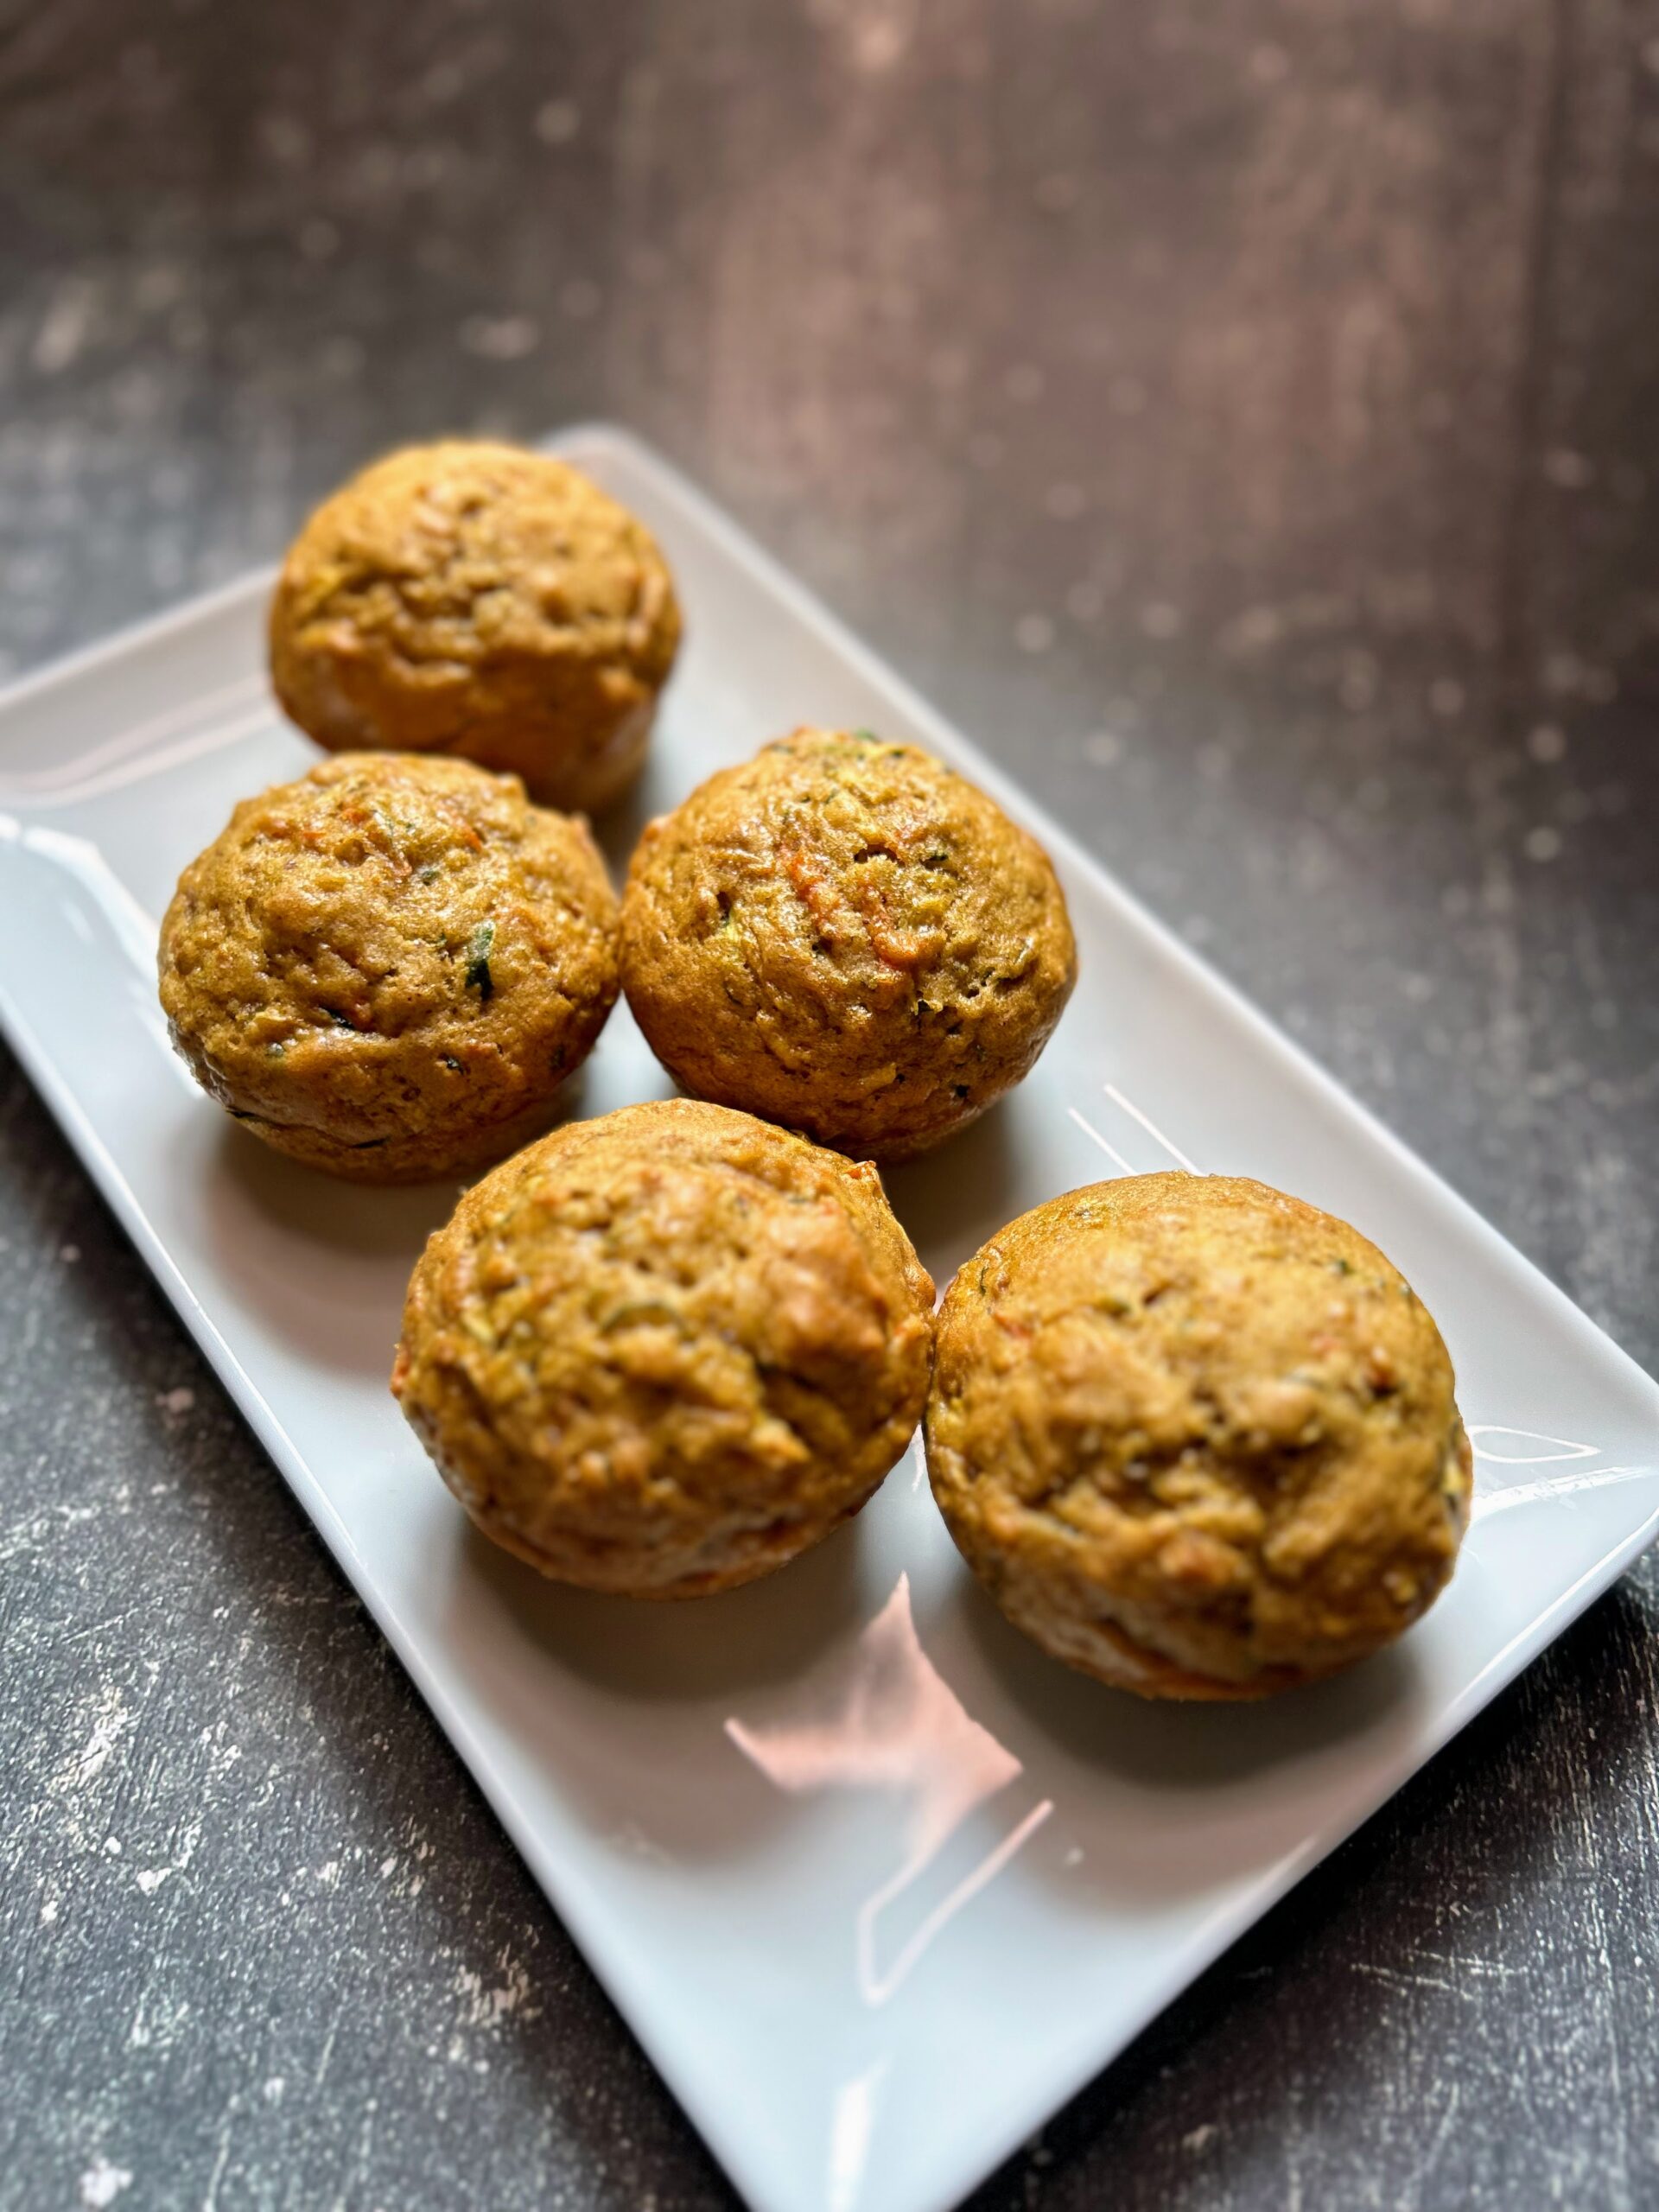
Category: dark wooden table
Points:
column 1245, row 420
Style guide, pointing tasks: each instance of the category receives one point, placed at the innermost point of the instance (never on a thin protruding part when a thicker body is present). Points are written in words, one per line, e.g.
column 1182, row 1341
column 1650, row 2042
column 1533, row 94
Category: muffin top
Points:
column 663, row 1352
column 480, row 599
column 1197, row 1435
column 846, row 937
column 393, row 948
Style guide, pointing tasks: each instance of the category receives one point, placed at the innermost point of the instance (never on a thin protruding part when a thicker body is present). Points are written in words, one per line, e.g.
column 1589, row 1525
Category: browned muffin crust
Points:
column 661, row 1352
column 845, row 936
column 477, row 599
column 1196, row 1437
column 387, row 968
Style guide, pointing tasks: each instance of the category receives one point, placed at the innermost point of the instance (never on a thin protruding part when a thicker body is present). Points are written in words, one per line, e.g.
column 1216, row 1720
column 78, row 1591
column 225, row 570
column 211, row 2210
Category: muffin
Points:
column 477, row 599
column 1196, row 1437
column 388, row 969
column 661, row 1352
column 845, row 936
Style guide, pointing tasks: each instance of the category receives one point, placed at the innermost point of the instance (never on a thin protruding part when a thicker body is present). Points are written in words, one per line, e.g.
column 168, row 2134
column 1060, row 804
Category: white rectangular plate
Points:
column 876, row 1884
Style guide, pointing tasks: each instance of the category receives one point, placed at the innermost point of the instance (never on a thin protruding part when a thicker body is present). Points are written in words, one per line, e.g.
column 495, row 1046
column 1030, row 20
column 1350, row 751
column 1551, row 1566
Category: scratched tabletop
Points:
column 1244, row 421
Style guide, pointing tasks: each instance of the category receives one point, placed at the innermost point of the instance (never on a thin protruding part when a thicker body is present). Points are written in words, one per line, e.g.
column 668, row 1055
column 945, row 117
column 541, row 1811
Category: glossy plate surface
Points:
column 875, row 1883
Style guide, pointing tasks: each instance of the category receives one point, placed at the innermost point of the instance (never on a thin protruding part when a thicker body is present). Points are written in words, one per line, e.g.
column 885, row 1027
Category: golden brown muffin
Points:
column 1196, row 1437
column 845, row 936
column 661, row 1352
column 387, row 968
column 477, row 599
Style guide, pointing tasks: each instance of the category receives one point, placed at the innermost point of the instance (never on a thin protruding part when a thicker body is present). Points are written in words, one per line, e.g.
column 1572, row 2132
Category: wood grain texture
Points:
column 1241, row 420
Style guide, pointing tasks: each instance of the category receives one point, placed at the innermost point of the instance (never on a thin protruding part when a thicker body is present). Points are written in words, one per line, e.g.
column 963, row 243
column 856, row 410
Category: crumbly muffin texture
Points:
column 474, row 598
column 661, row 1352
column 1196, row 1437
column 845, row 936
column 387, row 968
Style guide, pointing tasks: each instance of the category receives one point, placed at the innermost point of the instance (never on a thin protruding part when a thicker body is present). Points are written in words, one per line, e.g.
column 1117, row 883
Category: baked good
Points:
column 661, row 1352
column 1196, row 1437
column 387, row 968
column 474, row 598
column 845, row 936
